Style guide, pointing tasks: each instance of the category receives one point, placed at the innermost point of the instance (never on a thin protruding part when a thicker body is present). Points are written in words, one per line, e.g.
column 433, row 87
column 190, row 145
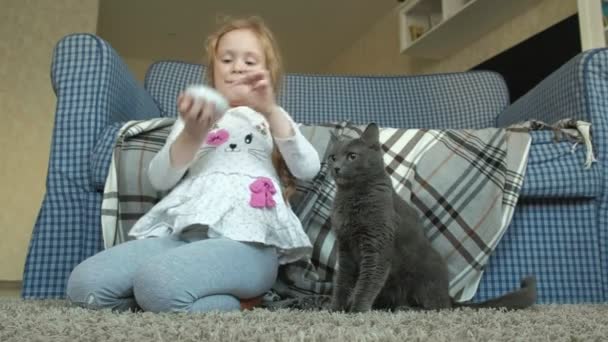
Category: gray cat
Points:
column 385, row 261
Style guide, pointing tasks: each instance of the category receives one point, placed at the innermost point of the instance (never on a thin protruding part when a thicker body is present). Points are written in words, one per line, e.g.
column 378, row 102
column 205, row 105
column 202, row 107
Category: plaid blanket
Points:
column 463, row 183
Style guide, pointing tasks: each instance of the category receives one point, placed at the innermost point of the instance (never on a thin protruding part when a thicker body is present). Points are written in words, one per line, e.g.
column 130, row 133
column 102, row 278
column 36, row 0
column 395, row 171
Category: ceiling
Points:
column 311, row 33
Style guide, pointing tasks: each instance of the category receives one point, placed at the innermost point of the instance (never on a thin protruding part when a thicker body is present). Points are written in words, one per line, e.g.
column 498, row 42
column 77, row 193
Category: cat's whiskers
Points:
column 258, row 154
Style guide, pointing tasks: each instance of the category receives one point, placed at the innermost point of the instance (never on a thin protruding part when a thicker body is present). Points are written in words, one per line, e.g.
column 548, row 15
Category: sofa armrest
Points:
column 577, row 90
column 95, row 94
column 94, row 90
column 87, row 72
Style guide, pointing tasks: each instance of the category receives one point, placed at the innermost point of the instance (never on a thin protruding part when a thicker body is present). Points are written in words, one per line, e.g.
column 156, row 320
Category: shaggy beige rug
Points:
column 57, row 321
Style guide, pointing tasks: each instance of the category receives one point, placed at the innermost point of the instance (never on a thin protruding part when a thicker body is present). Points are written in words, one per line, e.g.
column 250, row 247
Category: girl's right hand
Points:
column 199, row 116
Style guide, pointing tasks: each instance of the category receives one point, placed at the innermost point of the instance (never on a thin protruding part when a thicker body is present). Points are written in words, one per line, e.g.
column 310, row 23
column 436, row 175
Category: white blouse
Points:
column 231, row 189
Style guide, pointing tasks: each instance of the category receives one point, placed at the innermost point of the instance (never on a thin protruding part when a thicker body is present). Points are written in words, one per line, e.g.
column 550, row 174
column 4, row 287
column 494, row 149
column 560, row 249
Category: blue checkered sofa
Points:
column 559, row 230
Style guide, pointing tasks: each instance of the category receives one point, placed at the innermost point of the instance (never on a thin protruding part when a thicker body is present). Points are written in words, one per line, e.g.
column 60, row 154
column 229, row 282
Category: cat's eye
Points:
column 352, row 156
column 332, row 157
column 248, row 138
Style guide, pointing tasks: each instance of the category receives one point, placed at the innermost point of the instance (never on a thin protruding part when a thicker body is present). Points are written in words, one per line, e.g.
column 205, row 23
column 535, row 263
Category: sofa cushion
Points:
column 455, row 100
column 556, row 169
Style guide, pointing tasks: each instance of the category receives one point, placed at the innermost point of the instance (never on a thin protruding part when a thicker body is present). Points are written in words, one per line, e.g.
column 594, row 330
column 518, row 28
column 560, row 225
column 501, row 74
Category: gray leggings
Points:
column 167, row 274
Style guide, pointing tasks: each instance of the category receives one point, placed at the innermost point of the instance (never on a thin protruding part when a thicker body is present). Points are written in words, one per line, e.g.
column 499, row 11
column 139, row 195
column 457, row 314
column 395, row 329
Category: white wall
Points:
column 29, row 30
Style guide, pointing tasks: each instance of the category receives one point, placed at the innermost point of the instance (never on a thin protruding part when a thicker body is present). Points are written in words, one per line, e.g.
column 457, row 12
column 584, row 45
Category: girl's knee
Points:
column 156, row 292
column 178, row 280
column 83, row 288
column 87, row 287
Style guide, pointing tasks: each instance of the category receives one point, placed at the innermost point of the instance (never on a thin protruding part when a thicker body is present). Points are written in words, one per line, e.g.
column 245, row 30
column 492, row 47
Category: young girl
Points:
column 219, row 236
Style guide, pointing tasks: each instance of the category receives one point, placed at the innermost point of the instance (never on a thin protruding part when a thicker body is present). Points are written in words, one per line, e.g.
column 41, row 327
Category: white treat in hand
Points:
column 208, row 94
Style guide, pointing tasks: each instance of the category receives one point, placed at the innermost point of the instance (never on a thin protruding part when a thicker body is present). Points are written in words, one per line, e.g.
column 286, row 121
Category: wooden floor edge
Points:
column 10, row 284
column 10, row 288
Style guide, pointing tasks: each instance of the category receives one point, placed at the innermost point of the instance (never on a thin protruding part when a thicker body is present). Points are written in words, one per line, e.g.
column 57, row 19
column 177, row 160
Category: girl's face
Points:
column 239, row 52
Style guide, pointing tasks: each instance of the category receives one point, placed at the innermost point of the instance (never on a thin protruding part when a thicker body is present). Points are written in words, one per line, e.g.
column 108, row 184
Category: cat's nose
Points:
column 232, row 146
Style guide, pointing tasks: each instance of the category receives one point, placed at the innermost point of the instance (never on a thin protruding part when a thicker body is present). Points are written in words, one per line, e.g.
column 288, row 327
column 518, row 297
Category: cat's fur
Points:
column 385, row 261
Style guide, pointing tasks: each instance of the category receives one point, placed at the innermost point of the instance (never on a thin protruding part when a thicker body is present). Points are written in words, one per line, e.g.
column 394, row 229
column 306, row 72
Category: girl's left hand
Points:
column 254, row 90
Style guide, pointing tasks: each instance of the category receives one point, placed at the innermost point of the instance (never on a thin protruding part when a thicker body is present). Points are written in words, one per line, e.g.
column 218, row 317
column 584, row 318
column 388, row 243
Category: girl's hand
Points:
column 199, row 116
column 254, row 90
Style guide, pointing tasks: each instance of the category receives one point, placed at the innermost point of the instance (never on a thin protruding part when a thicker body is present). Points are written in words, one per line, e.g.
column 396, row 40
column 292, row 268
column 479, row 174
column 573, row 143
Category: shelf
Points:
column 450, row 25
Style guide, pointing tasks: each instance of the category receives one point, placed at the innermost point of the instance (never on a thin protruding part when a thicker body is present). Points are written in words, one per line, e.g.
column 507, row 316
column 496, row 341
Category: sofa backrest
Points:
column 455, row 100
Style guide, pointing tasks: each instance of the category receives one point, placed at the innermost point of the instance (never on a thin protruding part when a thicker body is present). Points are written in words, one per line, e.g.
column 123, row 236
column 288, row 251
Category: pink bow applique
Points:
column 262, row 190
column 218, row 137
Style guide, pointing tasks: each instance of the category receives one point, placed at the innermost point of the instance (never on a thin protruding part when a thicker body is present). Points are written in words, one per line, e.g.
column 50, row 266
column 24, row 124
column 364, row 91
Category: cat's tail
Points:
column 521, row 298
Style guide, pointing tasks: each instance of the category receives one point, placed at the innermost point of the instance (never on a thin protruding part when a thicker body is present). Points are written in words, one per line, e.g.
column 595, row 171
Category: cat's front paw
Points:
column 336, row 306
column 349, row 305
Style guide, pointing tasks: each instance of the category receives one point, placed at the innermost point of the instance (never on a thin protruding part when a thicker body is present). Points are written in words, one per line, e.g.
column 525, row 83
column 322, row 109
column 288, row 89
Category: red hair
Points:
column 273, row 62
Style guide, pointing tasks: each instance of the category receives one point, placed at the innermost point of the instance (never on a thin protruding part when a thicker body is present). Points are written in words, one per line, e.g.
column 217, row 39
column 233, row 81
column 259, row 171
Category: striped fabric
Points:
column 120, row 210
column 464, row 184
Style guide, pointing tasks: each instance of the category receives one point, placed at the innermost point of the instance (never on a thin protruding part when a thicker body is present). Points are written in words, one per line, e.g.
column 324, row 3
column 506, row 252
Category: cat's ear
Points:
column 371, row 134
column 333, row 136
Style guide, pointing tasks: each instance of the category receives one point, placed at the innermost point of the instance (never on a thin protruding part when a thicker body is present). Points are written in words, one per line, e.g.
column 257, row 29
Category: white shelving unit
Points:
column 590, row 19
column 434, row 29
